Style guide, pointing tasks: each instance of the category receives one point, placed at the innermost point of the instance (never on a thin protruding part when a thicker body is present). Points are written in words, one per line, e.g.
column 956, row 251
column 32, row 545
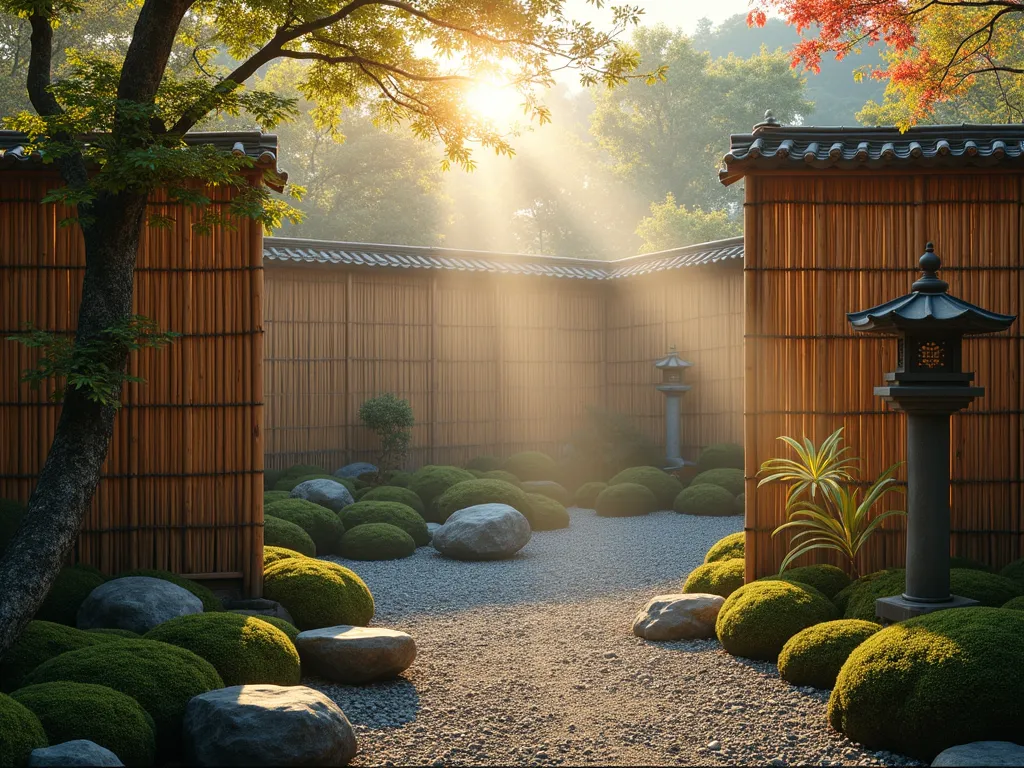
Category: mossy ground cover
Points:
column 318, row 594
column 377, row 541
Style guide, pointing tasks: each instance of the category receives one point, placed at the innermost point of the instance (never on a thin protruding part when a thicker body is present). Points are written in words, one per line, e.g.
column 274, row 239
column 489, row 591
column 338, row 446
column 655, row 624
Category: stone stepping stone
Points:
column 355, row 655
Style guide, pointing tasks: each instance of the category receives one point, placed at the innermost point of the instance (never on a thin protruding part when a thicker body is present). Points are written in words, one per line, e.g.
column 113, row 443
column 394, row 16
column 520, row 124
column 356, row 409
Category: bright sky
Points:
column 674, row 13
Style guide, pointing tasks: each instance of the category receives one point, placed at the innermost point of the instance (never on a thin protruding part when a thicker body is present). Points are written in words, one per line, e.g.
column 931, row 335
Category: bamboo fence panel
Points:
column 181, row 489
column 817, row 247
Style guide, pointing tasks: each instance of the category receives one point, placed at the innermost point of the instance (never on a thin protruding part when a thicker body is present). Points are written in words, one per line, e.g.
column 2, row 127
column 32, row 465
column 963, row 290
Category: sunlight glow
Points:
column 495, row 103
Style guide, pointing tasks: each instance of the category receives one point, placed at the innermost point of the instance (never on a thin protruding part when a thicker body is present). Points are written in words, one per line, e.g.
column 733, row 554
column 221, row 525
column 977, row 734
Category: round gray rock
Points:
column 483, row 532
column 433, row 528
column 326, row 493
column 979, row 753
column 77, row 752
column 355, row 655
column 678, row 617
column 135, row 603
column 354, row 470
column 266, row 725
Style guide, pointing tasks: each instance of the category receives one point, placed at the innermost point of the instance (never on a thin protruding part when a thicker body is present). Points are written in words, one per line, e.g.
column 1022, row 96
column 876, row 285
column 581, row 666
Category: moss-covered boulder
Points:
column 704, row 500
column 69, row 590
column 531, row 465
column 286, row 535
column 210, row 601
column 720, row 456
column 39, row 642
column 814, row 656
column 11, row 514
column 318, row 594
column 719, row 577
column 586, row 495
column 758, row 618
column 431, row 481
column 469, row 493
column 827, row 579
column 625, row 500
column 243, row 649
column 733, row 545
column 161, row 677
column 664, row 486
column 935, row 681
column 729, row 479
column 396, row 494
column 20, row 733
column 548, row 488
column 287, row 627
column 484, row 463
column 320, row 523
column 546, row 514
column 273, row 554
column 377, row 541
column 500, row 474
column 390, row 512
column 1016, row 604
column 269, row 497
column 1014, row 570
column 69, row 711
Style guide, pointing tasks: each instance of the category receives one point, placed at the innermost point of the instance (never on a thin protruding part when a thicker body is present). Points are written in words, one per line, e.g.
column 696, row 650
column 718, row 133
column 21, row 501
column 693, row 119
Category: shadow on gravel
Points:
column 388, row 704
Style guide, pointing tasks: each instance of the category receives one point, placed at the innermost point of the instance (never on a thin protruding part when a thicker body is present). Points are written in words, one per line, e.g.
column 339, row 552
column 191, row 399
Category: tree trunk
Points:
column 71, row 473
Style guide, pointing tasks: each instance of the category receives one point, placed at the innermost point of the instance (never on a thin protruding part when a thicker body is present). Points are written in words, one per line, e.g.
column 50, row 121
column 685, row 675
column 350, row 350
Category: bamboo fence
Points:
column 182, row 486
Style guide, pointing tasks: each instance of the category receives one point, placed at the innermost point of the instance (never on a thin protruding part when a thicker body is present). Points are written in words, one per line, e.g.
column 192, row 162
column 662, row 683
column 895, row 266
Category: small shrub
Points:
column 739, row 504
column 727, row 548
column 377, row 541
column 269, row 497
column 704, row 500
column 664, row 486
column 210, row 601
column 758, row 618
column 501, row 474
column 318, row 594
column 469, row 493
column 484, row 463
column 431, row 481
column 243, row 649
column 586, row 495
column 72, row 585
column 70, row 711
column 827, row 579
column 273, row 554
column 815, row 655
column 531, row 465
column 389, row 512
column 11, row 514
column 719, row 577
column 1016, row 604
column 287, row 627
column 397, row 478
column 547, row 488
column 1014, row 570
column 546, row 514
column 20, row 733
column 390, row 418
column 730, row 479
column 39, row 642
column 625, row 500
column 396, row 494
column 320, row 523
column 286, row 535
column 720, row 456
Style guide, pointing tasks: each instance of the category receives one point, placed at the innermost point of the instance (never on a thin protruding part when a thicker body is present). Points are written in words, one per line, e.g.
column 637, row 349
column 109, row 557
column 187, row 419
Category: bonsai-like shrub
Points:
column 72, row 585
column 70, row 711
column 1014, row 570
column 431, row 481
column 548, row 488
column 390, row 418
column 243, row 649
column 727, row 548
column 827, row 579
column 115, row 632
column 161, row 677
column 377, row 541
column 273, row 554
column 935, row 681
column 320, row 523
column 704, row 499
column 727, row 478
column 288, row 628
column 500, row 474
column 739, row 504
column 484, row 463
column 758, row 618
column 546, row 514
column 269, row 497
column 39, row 642
column 719, row 577
column 469, row 493
column 396, row 494
column 210, row 601
column 586, row 494
column 389, row 512
column 625, row 500
column 11, row 514
column 664, row 486
column 531, row 465
column 720, row 456
column 318, row 594
column 815, row 655
column 20, row 733
column 1017, row 604
column 286, row 535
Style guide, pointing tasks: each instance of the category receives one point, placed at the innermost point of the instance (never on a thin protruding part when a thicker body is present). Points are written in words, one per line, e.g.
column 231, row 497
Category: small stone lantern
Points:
column 929, row 384
column 673, row 372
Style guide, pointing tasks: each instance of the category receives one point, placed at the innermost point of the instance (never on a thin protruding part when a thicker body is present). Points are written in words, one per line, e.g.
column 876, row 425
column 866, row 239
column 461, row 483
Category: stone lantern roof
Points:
column 673, row 360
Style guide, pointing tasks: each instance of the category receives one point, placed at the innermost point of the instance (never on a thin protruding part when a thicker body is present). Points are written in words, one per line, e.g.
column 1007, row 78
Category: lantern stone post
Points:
column 673, row 370
column 929, row 385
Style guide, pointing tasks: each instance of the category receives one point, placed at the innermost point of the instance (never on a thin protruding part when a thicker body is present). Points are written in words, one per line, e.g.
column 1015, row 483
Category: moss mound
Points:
column 727, row 548
column 358, row 495
column 320, row 523
column 243, row 649
column 270, row 477
column 968, row 563
column 664, row 486
column 531, row 465
column 500, row 474
column 815, row 655
column 929, row 683
column 827, row 579
column 1017, row 604
column 210, row 601
column 39, row 642
column 739, row 504
column 161, row 677
column 115, row 632
column 390, row 512
column 396, row 494
column 318, row 594
column 469, row 493
column 288, row 628
column 704, row 500
column 758, row 618
column 286, row 535
column 730, row 479
column 269, row 497
column 112, row 719
column 11, row 514
column 484, row 463
column 20, row 733
column 273, row 554
column 720, row 456
column 431, row 481
column 719, row 577
column 546, row 514
column 72, row 585
column 377, row 541
column 586, row 495
column 547, row 488
column 1014, row 570
column 625, row 500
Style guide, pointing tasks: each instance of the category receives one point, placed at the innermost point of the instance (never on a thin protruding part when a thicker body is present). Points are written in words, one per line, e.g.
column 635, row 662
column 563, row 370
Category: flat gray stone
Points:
column 355, row 655
column 135, row 603
column 981, row 753
column 326, row 493
column 70, row 753
column 354, row 470
column 260, row 606
column 483, row 532
column 678, row 617
column 266, row 725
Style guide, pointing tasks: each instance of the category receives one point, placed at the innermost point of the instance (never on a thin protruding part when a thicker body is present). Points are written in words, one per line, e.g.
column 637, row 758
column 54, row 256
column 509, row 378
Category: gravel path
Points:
column 533, row 661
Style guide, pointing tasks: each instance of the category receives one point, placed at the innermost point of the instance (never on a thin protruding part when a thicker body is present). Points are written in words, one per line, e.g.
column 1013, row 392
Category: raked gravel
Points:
column 533, row 661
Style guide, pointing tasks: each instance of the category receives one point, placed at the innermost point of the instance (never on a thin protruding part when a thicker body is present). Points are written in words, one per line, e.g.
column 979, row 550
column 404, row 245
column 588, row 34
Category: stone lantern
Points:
column 673, row 372
column 929, row 384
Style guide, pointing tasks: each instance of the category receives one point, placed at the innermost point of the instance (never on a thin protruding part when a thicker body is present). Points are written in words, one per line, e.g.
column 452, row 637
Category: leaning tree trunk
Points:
column 80, row 443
